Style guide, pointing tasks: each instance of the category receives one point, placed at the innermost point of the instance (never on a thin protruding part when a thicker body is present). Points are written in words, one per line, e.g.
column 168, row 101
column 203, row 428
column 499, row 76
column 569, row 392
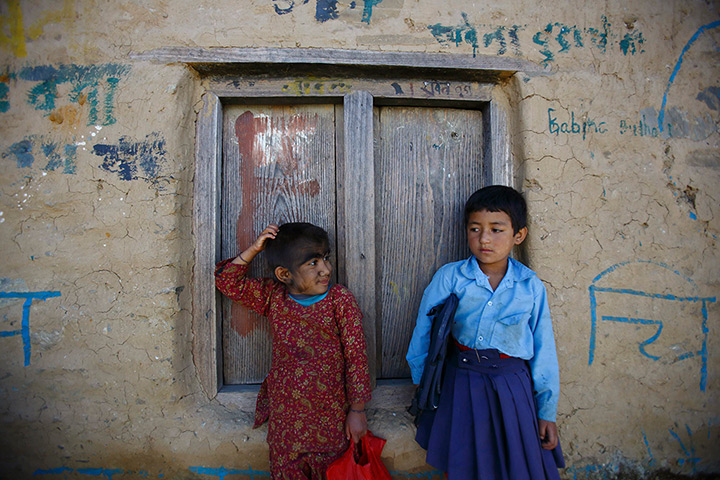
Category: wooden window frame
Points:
column 262, row 76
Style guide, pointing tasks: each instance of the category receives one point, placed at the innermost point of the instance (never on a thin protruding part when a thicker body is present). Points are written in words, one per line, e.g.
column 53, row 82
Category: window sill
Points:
column 387, row 395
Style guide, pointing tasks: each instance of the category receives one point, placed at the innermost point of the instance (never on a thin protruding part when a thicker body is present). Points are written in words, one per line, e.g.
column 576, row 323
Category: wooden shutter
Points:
column 278, row 166
column 427, row 163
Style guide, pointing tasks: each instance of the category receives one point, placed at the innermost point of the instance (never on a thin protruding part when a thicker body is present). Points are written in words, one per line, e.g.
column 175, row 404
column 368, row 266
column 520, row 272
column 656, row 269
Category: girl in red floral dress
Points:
column 314, row 396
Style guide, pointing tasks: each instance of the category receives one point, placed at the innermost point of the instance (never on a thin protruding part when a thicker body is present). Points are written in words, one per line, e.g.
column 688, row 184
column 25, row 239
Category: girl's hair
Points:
column 295, row 244
column 499, row 198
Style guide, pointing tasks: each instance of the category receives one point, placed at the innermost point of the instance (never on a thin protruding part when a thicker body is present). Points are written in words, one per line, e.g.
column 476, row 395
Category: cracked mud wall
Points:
column 615, row 145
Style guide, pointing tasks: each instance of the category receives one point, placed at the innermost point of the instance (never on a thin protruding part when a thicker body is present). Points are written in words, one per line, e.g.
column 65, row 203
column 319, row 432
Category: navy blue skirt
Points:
column 486, row 425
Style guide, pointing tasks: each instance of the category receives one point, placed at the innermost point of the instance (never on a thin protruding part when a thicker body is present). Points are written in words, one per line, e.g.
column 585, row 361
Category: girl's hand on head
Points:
column 257, row 246
column 548, row 434
column 268, row 233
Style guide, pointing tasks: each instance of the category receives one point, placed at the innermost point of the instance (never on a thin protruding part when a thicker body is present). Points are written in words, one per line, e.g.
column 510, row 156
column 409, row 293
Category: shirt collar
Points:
column 516, row 271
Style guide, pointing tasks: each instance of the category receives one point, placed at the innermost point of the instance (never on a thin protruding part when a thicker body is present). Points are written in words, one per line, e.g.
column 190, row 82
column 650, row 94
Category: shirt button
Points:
column 481, row 338
column 490, row 303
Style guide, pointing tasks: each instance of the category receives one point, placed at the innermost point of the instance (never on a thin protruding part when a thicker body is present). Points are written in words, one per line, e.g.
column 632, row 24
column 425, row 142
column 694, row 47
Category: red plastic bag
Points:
column 365, row 466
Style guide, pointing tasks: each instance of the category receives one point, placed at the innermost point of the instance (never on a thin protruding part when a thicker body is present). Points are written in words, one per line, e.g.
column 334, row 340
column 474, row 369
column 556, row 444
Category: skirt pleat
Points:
column 485, row 427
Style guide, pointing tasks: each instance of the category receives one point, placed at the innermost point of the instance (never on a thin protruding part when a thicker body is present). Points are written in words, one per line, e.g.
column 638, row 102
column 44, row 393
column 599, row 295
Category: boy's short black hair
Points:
column 295, row 244
column 499, row 198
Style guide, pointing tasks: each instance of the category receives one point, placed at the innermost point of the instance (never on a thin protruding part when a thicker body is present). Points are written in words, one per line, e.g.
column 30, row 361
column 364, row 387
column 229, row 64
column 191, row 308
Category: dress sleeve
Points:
column 352, row 338
column 252, row 293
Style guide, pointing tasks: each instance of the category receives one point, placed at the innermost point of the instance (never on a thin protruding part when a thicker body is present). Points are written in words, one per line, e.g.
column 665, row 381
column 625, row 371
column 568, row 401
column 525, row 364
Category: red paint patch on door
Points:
column 271, row 149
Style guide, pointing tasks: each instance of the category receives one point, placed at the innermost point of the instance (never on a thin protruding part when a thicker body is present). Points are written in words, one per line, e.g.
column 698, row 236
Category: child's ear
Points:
column 284, row 275
column 520, row 235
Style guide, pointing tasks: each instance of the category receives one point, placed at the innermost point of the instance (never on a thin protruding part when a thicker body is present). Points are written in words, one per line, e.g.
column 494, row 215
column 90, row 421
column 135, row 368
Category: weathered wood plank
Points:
column 206, row 329
column 230, row 86
column 501, row 65
column 279, row 166
column 428, row 161
column 498, row 165
column 359, row 211
column 340, row 193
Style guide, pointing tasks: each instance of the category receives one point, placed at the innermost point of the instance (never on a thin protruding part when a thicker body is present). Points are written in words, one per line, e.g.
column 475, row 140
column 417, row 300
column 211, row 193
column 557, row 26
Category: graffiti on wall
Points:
column 688, row 458
column 667, row 122
column 91, row 87
column 132, row 160
column 554, row 39
column 129, row 159
column 4, row 91
column 91, row 90
column 327, row 9
column 13, row 33
column 24, row 331
column 646, row 310
column 38, row 147
column 107, row 473
column 584, row 125
column 678, row 65
column 219, row 473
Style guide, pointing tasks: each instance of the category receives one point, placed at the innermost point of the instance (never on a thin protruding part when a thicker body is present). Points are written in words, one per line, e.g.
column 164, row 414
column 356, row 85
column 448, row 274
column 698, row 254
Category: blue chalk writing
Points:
column 66, row 160
column 456, row 34
column 555, row 38
column 599, row 36
column 58, row 157
column 690, row 456
column 4, row 103
column 541, row 38
column 24, row 331
column 678, row 64
column 651, row 461
column 86, row 83
column 108, row 473
column 284, row 10
column 368, row 9
column 97, row 472
column 703, row 301
column 498, row 35
column 631, row 43
column 222, row 472
column 640, row 321
column 22, row 151
column 607, row 471
column 676, row 125
column 133, row 160
column 640, row 129
column 326, row 10
column 52, row 471
column 563, row 32
column 573, row 127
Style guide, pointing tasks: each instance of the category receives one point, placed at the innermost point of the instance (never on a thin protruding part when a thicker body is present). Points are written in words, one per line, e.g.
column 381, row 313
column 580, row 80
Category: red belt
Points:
column 463, row 348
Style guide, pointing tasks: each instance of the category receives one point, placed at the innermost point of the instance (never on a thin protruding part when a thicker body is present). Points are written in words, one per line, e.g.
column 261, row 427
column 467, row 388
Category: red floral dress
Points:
column 319, row 367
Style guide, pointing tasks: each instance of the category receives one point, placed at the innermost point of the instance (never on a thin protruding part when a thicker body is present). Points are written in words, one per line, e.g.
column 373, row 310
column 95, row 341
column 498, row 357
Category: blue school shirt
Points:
column 514, row 319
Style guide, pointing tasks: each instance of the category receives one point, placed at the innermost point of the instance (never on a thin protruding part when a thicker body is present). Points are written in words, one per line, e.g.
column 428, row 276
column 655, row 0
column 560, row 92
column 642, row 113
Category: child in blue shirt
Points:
column 497, row 410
